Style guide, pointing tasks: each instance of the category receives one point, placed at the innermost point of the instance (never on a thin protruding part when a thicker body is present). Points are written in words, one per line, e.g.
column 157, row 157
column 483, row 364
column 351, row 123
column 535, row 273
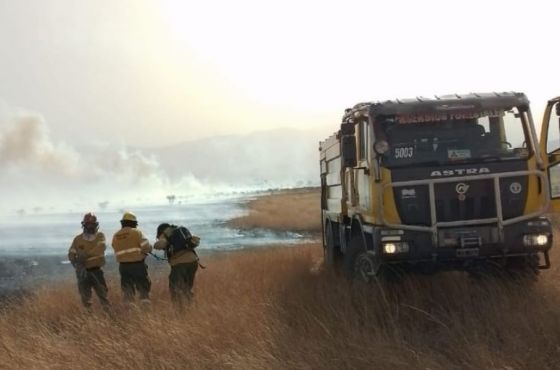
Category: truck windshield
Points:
column 444, row 138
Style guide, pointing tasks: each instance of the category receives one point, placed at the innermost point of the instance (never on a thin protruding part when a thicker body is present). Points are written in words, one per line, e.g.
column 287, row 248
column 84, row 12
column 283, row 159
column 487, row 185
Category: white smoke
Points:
column 38, row 172
column 24, row 141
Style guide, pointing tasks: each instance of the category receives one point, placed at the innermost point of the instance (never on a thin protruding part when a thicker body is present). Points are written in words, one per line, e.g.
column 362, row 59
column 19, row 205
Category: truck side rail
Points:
column 499, row 220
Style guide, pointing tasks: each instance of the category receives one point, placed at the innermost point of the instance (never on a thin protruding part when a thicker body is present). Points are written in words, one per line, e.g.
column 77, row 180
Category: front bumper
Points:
column 460, row 244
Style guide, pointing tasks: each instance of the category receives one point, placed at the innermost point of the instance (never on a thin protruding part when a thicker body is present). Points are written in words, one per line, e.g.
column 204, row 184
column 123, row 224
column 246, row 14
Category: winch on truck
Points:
column 451, row 182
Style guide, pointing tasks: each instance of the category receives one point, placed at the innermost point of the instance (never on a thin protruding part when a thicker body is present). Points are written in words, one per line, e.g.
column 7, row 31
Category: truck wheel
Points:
column 331, row 253
column 359, row 263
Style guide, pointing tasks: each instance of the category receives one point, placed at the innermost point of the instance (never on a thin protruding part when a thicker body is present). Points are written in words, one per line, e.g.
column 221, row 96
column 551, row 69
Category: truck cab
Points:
column 450, row 182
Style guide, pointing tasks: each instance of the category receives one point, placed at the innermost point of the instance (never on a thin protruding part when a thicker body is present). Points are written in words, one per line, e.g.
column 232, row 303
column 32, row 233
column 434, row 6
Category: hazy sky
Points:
column 160, row 72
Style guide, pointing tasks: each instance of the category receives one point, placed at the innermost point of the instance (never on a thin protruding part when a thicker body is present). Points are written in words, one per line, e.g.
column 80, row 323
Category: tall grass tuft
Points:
column 295, row 210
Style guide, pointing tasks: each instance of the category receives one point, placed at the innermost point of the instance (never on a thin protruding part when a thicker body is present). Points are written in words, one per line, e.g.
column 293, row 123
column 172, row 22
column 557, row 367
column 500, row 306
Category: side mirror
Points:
column 348, row 143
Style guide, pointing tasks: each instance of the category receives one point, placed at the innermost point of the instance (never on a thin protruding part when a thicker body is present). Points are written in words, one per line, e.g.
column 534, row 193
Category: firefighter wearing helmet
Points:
column 131, row 247
column 87, row 255
column 179, row 246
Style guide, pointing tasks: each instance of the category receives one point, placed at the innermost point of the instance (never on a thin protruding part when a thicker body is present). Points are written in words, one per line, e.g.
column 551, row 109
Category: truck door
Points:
column 550, row 149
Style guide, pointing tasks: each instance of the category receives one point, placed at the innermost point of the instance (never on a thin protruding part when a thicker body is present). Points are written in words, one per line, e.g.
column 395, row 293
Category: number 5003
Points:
column 404, row 152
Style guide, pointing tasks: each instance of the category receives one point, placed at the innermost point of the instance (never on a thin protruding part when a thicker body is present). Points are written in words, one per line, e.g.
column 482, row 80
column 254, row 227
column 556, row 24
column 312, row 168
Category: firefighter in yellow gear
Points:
column 87, row 255
column 183, row 262
column 131, row 247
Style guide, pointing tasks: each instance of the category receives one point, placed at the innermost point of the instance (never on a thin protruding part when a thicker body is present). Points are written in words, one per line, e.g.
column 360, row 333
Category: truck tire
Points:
column 359, row 263
column 331, row 252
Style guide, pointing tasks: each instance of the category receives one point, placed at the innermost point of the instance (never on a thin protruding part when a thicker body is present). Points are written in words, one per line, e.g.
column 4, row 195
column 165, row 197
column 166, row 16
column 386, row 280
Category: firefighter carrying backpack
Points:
column 180, row 239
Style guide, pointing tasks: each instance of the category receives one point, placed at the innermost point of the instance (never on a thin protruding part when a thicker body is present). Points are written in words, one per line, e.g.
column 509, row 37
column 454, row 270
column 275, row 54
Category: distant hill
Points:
column 280, row 157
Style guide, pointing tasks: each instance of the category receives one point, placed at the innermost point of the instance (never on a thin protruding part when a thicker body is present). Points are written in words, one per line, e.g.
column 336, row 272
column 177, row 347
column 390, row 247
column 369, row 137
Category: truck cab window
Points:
column 485, row 123
column 553, row 137
column 363, row 137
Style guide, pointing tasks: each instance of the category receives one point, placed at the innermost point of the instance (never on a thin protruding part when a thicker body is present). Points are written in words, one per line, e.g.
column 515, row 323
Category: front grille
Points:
column 478, row 202
column 454, row 209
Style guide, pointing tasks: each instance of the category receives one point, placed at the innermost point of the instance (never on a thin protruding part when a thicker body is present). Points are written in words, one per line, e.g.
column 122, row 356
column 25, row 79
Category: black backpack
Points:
column 180, row 239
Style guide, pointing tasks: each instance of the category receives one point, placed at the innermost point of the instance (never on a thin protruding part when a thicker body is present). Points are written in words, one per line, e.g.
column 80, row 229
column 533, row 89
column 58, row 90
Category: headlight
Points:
column 535, row 240
column 390, row 248
column 381, row 147
column 395, row 247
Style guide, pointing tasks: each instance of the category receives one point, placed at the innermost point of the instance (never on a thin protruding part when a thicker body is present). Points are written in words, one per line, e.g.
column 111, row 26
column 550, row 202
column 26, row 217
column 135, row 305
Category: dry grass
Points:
column 278, row 308
column 296, row 210
column 275, row 308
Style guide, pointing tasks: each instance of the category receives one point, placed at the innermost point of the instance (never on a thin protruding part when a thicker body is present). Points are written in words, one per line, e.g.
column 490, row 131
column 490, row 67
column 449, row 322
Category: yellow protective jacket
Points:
column 130, row 245
column 88, row 251
column 183, row 256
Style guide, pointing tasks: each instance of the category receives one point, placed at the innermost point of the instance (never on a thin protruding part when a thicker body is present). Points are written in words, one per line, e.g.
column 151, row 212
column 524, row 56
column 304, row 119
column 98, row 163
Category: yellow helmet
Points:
column 129, row 216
